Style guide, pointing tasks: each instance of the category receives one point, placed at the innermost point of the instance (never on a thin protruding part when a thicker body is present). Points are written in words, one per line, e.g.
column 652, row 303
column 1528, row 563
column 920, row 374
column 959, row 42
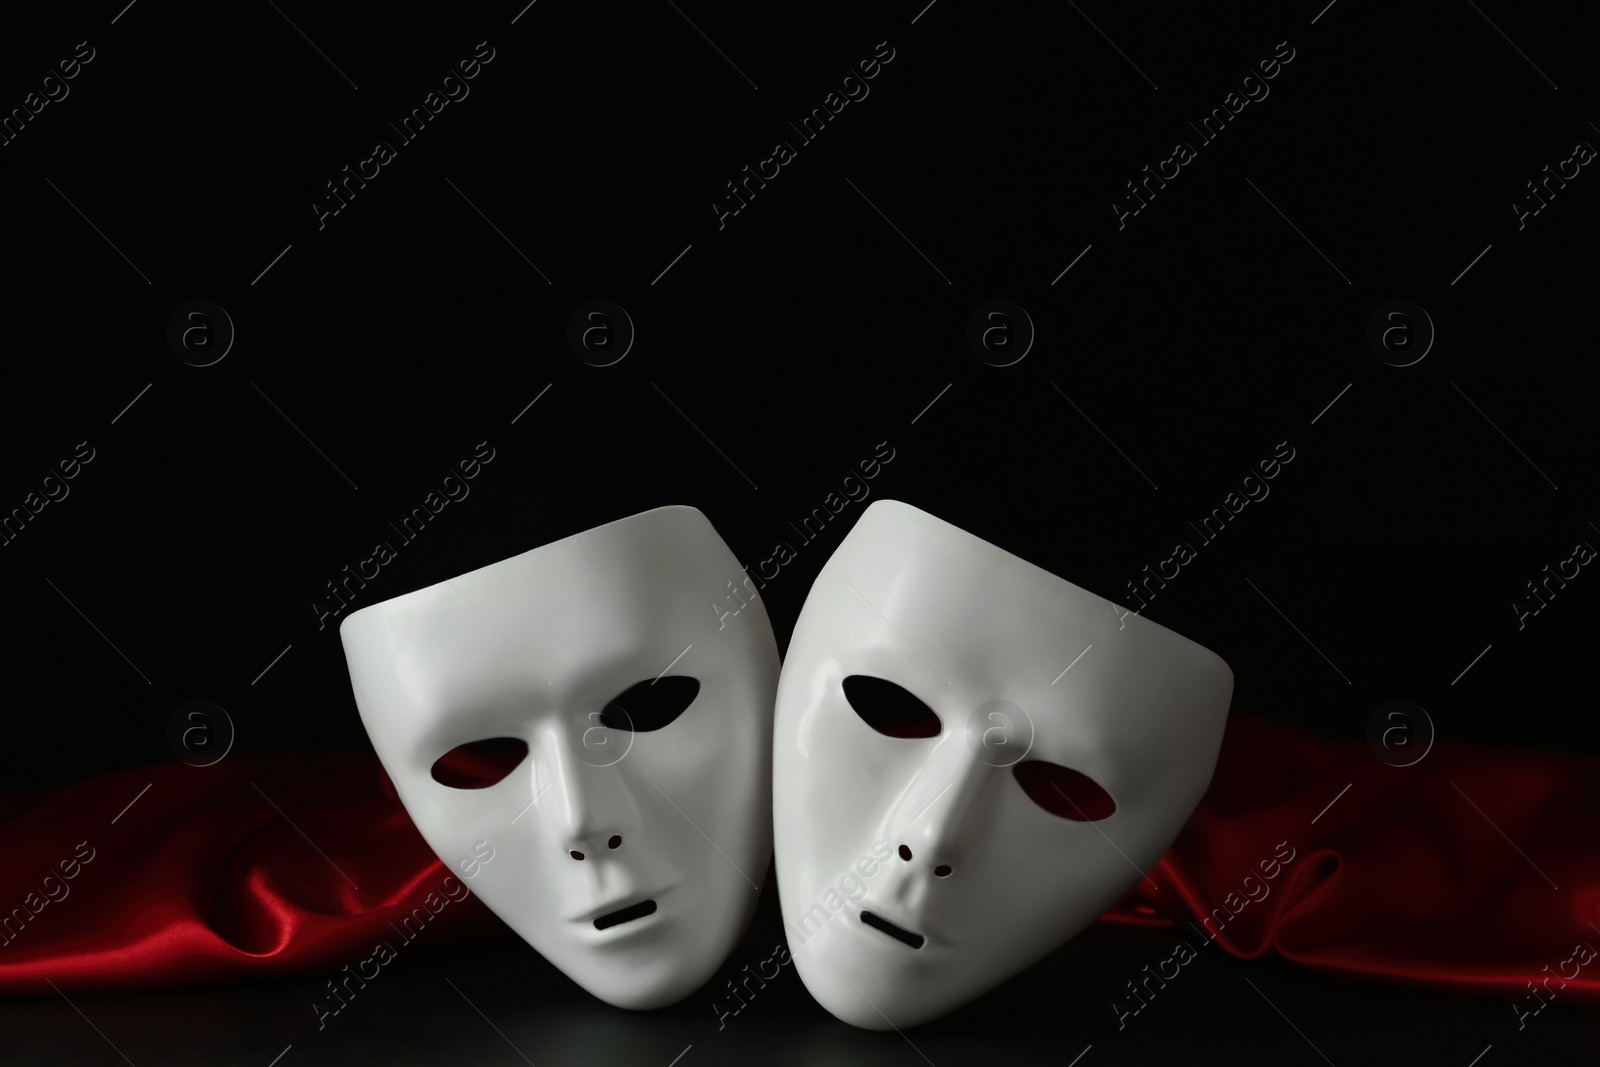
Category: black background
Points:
column 797, row 338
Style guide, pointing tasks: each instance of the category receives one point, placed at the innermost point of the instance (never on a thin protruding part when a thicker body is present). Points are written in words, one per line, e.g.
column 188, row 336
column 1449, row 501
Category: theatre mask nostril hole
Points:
column 575, row 854
column 615, row 842
column 943, row 870
column 905, row 853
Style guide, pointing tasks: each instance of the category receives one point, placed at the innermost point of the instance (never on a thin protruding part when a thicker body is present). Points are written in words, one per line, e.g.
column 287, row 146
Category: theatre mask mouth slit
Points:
column 904, row 936
column 624, row 915
column 930, row 818
column 563, row 669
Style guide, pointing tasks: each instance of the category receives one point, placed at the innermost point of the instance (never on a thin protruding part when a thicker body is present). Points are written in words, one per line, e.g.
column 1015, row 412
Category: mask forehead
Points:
column 963, row 623
column 560, row 624
column 597, row 818
column 984, row 639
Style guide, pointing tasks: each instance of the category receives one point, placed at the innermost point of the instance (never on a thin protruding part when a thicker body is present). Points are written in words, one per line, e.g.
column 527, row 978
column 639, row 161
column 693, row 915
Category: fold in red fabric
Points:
column 1474, row 870
column 174, row 876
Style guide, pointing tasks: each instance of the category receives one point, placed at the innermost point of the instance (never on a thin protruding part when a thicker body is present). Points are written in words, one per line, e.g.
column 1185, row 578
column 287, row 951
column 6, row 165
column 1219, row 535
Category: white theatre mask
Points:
column 973, row 759
column 584, row 732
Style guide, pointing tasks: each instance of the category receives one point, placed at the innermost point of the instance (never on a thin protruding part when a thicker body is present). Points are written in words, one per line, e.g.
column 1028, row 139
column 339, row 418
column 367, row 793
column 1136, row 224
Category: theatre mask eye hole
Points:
column 479, row 764
column 1063, row 791
column 890, row 709
column 650, row 705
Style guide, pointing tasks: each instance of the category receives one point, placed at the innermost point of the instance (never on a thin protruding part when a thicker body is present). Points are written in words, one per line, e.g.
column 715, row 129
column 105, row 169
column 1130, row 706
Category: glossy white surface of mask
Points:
column 534, row 648
column 995, row 881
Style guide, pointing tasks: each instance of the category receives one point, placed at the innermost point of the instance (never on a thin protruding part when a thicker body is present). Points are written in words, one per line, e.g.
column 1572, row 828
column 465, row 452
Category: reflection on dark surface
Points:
column 426, row 1009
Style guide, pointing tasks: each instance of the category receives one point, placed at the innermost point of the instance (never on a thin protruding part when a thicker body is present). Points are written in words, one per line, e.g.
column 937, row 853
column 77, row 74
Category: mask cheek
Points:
column 852, row 888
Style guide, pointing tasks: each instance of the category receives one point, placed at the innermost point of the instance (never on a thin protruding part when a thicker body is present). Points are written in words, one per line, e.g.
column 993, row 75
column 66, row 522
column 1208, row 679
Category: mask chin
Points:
column 585, row 742
column 950, row 804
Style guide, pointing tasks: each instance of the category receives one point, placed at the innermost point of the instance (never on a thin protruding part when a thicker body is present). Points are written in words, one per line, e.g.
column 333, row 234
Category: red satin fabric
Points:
column 203, row 880
column 1477, row 869
column 297, row 864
